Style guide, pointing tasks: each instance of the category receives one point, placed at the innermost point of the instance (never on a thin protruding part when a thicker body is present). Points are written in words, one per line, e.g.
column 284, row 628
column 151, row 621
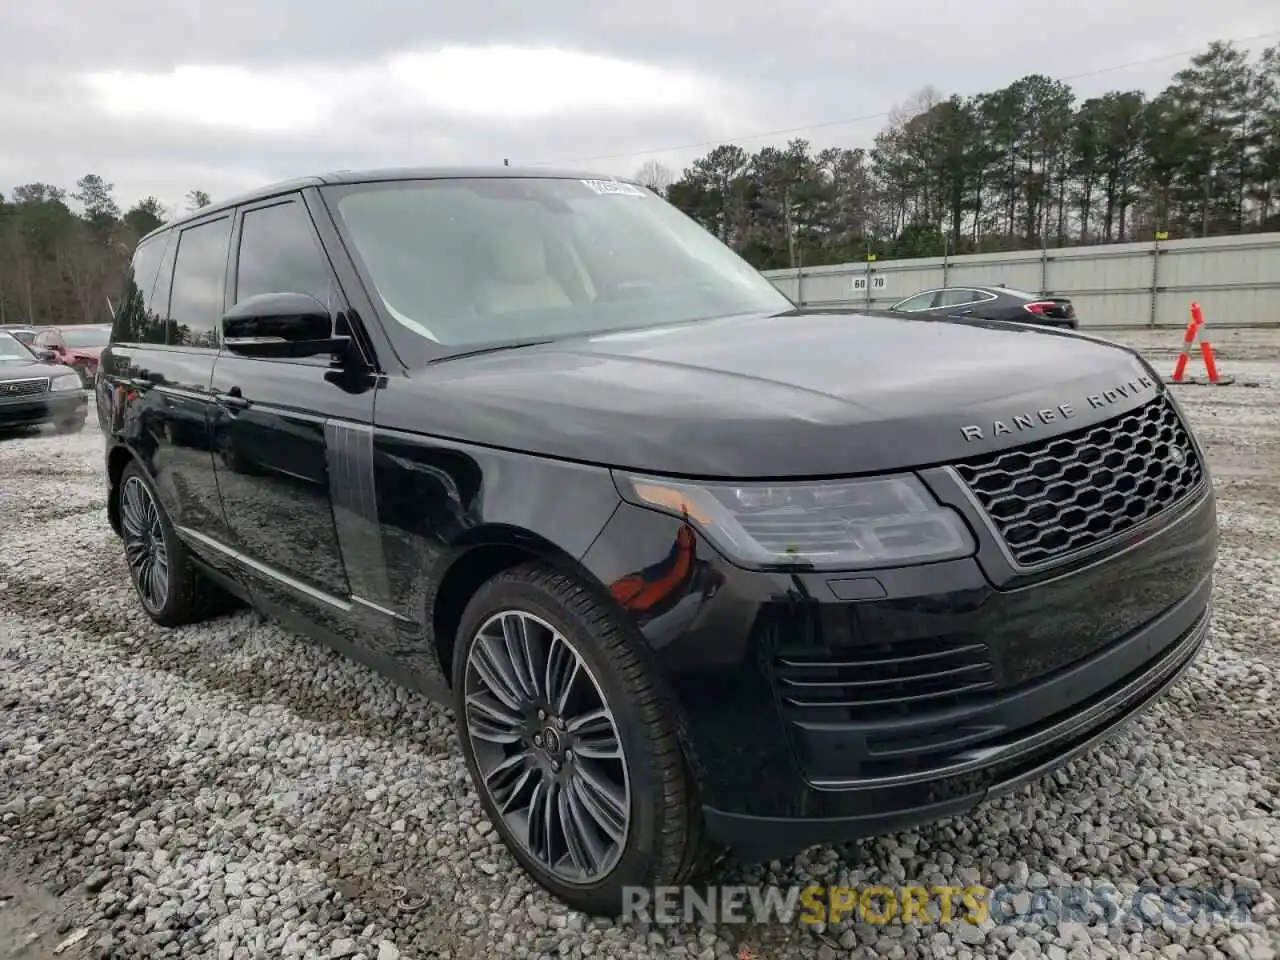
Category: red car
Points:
column 78, row 345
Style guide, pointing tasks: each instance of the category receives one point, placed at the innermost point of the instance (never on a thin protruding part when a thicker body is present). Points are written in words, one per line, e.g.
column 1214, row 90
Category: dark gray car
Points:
column 35, row 392
column 991, row 303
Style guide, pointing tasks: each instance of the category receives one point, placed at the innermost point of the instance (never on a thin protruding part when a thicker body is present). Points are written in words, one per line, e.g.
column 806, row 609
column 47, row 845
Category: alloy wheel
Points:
column 144, row 547
column 547, row 746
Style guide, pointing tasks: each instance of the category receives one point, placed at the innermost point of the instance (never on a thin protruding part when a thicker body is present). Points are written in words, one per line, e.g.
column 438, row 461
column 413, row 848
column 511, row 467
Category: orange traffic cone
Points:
column 1190, row 336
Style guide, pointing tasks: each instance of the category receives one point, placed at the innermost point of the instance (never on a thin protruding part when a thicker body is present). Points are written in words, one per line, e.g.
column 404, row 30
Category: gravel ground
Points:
column 231, row 791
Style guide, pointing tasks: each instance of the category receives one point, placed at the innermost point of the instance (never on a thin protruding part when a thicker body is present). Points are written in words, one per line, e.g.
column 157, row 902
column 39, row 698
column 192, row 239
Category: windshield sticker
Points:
column 614, row 187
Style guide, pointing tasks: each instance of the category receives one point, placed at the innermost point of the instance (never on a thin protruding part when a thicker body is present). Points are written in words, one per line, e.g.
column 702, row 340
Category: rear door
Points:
column 958, row 302
column 195, row 311
column 278, row 422
column 159, row 366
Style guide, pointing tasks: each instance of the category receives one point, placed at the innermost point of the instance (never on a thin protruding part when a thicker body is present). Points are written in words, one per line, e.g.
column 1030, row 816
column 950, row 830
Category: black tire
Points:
column 664, row 841
column 188, row 596
column 70, row 426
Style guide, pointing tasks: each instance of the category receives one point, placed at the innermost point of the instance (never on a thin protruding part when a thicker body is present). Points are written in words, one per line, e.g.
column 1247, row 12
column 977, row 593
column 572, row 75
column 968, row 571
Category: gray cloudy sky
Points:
column 159, row 97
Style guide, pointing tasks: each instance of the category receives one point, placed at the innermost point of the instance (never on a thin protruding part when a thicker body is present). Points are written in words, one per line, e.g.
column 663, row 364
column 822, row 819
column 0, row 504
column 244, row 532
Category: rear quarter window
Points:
column 140, row 318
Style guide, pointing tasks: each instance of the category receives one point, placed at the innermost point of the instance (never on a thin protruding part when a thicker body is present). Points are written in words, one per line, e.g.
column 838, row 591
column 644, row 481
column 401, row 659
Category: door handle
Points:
column 232, row 399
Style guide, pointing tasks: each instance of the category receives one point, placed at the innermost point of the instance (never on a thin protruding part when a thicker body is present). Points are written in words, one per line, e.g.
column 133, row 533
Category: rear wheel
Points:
column 169, row 587
column 74, row 425
column 567, row 743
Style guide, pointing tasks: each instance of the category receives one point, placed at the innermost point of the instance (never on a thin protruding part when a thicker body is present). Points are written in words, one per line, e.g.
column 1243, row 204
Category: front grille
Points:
column 881, row 680
column 12, row 389
column 1057, row 496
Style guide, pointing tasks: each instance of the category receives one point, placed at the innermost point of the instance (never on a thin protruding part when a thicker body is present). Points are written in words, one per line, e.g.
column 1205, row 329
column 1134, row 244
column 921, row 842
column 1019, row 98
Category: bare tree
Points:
column 922, row 101
column 655, row 176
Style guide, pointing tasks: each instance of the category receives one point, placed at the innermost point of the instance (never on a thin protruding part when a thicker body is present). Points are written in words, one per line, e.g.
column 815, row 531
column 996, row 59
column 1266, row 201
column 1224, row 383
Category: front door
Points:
column 276, row 422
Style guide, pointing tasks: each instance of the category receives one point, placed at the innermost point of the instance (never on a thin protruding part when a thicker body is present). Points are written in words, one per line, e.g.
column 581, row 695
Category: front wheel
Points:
column 567, row 743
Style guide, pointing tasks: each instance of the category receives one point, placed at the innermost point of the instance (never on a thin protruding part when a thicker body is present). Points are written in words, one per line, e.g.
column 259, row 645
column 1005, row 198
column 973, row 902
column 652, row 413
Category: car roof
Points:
column 383, row 175
column 954, row 286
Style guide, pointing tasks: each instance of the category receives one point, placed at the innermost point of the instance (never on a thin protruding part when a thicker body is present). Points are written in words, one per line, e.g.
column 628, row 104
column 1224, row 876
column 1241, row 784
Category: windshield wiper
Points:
column 492, row 348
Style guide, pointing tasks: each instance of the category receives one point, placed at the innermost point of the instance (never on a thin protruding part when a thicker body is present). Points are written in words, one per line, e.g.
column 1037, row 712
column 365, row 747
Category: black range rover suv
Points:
column 694, row 569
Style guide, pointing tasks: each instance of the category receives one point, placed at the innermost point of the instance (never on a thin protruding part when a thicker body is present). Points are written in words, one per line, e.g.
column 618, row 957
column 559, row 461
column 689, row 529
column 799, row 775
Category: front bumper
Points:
column 52, row 407
column 994, row 770
column 799, row 731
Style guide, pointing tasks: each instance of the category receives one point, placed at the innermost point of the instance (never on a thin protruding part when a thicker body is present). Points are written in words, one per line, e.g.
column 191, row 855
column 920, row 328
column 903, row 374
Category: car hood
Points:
column 783, row 396
column 35, row 368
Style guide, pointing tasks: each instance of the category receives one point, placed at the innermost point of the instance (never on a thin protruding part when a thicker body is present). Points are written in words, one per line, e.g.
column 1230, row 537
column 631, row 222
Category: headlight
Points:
column 70, row 381
column 829, row 525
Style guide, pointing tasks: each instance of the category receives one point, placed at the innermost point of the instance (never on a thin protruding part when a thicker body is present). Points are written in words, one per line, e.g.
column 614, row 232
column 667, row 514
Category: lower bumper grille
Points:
column 936, row 719
column 1052, row 498
column 884, row 680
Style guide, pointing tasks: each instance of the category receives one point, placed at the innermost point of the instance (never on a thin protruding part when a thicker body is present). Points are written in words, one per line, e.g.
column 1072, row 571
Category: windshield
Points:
column 86, row 336
column 12, row 350
column 467, row 262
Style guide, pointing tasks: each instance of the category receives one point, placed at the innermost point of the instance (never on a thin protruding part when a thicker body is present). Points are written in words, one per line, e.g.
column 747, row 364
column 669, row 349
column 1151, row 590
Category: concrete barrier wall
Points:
column 1150, row 284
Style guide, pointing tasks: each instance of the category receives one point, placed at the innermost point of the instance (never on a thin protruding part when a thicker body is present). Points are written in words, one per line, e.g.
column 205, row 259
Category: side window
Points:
column 954, row 298
column 10, row 348
column 195, row 305
column 921, row 301
column 140, row 318
column 279, row 254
